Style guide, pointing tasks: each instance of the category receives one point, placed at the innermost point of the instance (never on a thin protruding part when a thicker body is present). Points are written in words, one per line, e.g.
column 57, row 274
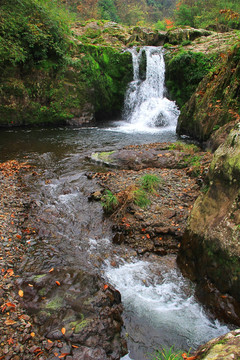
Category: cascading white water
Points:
column 146, row 108
column 165, row 310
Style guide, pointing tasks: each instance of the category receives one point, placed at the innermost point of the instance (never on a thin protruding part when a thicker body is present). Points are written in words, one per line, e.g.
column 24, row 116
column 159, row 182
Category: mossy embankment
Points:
column 55, row 71
column 216, row 100
column 48, row 76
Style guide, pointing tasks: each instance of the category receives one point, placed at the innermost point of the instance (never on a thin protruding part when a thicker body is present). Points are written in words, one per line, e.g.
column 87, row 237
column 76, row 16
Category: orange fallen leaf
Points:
column 63, row 355
column 75, row 346
column 32, row 334
column 20, row 293
column 51, row 270
column 10, row 341
column 30, row 285
column 9, row 322
column 105, row 287
column 58, row 283
column 63, row 330
column 10, row 272
column 185, row 357
column 18, row 236
column 148, row 236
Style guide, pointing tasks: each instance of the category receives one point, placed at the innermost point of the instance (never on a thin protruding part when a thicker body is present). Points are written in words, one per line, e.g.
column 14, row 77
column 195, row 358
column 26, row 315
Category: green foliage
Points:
column 32, row 31
column 184, row 71
column 178, row 145
column 167, row 354
column 160, row 25
column 109, row 201
column 108, row 10
column 140, row 198
column 149, row 182
column 207, row 13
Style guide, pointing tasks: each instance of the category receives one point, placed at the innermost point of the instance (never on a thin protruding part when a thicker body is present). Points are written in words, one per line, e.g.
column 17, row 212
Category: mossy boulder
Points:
column 224, row 347
column 216, row 101
column 177, row 36
column 93, row 83
column 210, row 248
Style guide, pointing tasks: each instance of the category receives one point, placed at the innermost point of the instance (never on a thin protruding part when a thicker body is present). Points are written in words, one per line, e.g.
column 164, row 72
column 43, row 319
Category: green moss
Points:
column 39, row 277
column 55, row 304
column 184, row 71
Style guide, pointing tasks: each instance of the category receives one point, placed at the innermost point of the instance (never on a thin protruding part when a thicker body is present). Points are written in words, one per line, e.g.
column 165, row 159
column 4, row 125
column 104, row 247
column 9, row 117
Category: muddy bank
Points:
column 62, row 313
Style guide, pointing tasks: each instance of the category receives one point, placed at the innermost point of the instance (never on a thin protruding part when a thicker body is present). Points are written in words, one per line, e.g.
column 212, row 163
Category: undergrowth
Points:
column 137, row 194
column 167, row 354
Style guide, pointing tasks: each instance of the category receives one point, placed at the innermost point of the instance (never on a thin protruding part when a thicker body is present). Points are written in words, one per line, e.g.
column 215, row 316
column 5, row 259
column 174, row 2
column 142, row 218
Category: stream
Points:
column 160, row 309
column 159, row 304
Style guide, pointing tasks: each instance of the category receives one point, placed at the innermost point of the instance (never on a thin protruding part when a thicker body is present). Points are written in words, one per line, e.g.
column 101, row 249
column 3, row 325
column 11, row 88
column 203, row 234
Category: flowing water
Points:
column 160, row 308
column 146, row 107
column 159, row 304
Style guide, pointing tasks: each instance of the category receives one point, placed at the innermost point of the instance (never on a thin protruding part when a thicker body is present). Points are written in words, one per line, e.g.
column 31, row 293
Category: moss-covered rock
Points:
column 177, row 36
column 216, row 101
column 210, row 246
column 222, row 348
column 94, row 82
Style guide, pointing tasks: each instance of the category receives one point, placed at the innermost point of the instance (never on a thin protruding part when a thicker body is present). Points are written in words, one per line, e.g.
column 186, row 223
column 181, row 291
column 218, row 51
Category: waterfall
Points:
column 145, row 107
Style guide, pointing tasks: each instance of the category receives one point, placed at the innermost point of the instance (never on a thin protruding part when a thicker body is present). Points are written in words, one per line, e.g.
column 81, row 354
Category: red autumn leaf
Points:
column 18, row 236
column 63, row 355
column 148, row 236
column 105, row 287
column 10, row 305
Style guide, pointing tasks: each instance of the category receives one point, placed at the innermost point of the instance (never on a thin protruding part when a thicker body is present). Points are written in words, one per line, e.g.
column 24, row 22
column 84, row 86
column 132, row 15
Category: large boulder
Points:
column 216, row 100
column 224, row 347
column 211, row 246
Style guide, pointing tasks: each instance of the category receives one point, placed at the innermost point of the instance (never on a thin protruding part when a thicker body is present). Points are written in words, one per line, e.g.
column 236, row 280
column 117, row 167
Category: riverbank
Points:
column 46, row 316
column 19, row 337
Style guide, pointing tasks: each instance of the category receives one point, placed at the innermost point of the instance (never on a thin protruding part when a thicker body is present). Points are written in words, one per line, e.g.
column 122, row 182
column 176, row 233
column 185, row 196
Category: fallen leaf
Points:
column 63, row 355
column 75, row 346
column 18, row 236
column 51, row 270
column 58, row 283
column 9, row 322
column 63, row 330
column 105, row 287
column 32, row 334
column 20, row 293
column 10, row 305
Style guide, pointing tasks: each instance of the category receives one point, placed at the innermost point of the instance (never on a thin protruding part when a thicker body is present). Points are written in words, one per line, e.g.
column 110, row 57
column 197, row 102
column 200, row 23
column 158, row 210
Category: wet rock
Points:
column 210, row 246
column 89, row 315
column 224, row 347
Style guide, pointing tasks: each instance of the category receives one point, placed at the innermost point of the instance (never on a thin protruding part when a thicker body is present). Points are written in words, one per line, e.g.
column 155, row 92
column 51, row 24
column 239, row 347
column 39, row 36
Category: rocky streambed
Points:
column 60, row 313
column 58, row 310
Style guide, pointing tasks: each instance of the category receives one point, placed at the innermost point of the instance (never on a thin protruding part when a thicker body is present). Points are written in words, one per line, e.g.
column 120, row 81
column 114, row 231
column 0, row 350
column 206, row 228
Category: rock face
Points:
column 216, row 100
column 210, row 246
column 222, row 348
column 76, row 309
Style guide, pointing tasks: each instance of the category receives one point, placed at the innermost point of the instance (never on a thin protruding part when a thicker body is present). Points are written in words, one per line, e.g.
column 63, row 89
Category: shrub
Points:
column 149, row 182
column 140, row 198
column 167, row 354
column 109, row 201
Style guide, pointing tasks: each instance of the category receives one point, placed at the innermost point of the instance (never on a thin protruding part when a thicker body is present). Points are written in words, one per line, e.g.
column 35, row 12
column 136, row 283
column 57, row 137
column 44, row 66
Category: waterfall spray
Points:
column 145, row 107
